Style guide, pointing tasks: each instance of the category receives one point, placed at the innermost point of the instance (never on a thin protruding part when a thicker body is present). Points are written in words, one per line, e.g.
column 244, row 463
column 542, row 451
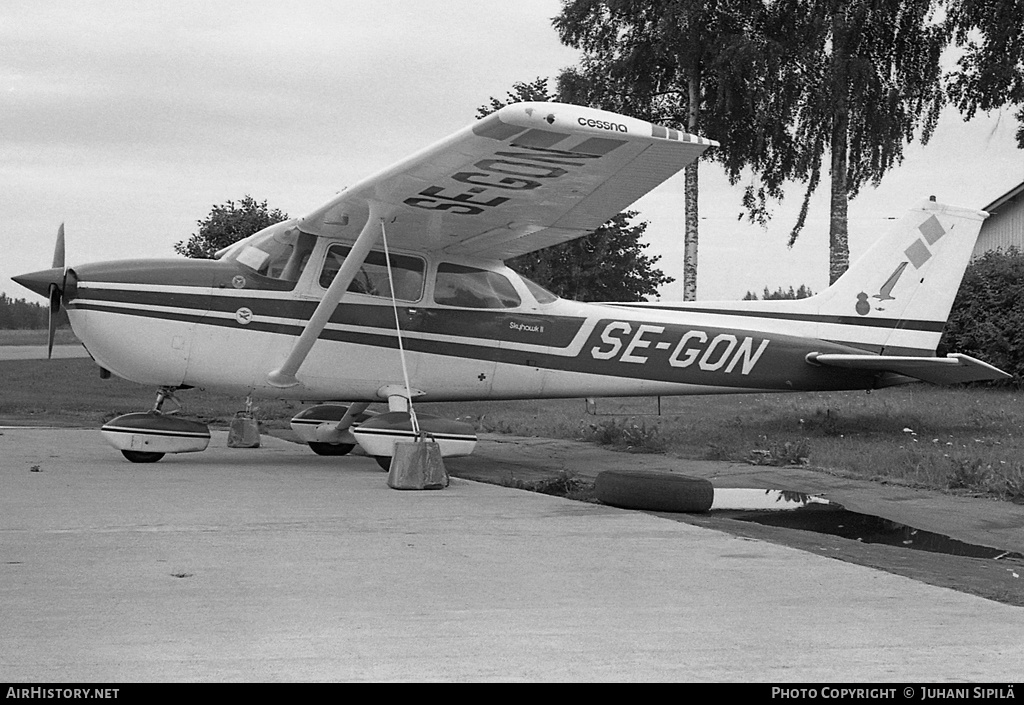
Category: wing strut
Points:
column 284, row 376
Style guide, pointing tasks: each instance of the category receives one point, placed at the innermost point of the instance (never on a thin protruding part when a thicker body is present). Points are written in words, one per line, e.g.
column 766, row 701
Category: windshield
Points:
column 278, row 252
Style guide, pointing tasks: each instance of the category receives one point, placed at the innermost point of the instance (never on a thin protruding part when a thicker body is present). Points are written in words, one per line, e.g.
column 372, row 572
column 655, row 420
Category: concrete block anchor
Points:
column 417, row 465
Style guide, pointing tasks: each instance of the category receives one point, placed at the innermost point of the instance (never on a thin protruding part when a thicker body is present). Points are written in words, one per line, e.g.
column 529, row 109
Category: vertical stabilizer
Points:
column 896, row 298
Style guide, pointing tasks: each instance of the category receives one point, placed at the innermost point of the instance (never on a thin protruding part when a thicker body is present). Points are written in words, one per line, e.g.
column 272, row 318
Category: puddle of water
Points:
column 776, row 500
column 795, row 510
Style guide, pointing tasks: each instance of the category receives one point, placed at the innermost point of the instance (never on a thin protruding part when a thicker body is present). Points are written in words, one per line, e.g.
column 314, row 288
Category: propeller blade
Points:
column 54, row 296
column 58, row 250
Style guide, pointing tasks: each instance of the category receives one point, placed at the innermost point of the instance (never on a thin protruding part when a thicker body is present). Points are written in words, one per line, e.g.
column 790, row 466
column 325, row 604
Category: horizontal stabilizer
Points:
column 952, row 369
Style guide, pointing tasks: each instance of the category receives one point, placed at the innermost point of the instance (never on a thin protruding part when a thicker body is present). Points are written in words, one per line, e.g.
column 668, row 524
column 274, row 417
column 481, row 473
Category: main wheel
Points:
column 331, row 448
column 384, row 461
column 141, row 456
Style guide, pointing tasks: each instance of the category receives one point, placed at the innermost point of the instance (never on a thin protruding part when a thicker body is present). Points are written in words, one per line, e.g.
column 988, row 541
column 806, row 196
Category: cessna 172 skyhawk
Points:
column 410, row 261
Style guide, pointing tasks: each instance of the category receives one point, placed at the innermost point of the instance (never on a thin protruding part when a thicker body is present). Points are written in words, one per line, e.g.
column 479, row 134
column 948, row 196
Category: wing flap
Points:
column 953, row 369
column 528, row 176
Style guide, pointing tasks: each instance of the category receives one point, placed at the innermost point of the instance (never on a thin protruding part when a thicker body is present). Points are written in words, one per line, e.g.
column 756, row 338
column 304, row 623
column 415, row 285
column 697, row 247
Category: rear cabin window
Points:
column 469, row 287
column 372, row 277
column 542, row 295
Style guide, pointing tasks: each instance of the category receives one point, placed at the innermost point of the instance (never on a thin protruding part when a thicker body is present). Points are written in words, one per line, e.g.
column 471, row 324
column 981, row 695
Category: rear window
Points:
column 469, row 287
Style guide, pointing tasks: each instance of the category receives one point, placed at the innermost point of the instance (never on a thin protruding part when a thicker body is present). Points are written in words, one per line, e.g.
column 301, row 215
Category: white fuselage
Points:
column 212, row 324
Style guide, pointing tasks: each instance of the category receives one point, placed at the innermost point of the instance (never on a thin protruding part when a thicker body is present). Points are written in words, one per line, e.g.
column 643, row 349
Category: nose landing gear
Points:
column 145, row 437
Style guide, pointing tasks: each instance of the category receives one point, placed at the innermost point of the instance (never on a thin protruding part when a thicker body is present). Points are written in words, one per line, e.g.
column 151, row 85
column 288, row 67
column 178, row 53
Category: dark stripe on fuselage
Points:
column 499, row 325
column 886, row 323
column 667, row 352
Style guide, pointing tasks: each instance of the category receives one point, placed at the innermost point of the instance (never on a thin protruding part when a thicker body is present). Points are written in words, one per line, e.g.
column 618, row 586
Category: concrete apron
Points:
column 274, row 564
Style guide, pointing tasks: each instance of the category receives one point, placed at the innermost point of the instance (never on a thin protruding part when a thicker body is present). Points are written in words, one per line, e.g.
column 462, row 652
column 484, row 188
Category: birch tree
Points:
column 665, row 61
column 990, row 72
column 791, row 88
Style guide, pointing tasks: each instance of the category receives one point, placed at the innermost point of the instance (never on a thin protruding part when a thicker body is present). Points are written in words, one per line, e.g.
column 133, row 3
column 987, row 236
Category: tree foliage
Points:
column 536, row 90
column 19, row 314
column 607, row 265
column 665, row 61
column 987, row 320
column 783, row 84
column 780, row 294
column 797, row 89
column 227, row 224
column 869, row 82
column 990, row 72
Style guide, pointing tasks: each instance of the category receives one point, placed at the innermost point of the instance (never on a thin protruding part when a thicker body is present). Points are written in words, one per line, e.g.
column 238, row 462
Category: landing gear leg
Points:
column 166, row 394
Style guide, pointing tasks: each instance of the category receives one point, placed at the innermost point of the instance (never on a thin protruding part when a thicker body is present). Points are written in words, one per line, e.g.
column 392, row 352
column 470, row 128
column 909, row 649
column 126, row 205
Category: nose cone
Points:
column 40, row 281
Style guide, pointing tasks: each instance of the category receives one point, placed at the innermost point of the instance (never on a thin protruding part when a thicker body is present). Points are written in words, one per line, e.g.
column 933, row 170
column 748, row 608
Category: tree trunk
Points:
column 690, row 237
column 690, row 197
column 838, row 233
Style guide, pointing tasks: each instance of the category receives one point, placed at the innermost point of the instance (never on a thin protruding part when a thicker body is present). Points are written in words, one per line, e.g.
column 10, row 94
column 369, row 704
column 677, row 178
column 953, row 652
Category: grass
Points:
column 565, row 484
column 71, row 393
column 63, row 336
column 961, row 440
column 966, row 440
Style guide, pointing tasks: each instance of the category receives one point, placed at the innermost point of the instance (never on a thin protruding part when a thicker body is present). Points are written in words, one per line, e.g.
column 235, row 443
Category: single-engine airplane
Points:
column 396, row 290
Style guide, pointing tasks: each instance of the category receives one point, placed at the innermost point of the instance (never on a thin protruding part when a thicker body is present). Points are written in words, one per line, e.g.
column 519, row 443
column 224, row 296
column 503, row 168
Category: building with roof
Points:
column 1004, row 228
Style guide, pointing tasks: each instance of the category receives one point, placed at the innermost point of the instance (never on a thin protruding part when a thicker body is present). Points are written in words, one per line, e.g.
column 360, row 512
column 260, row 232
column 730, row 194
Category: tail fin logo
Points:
column 917, row 254
column 863, row 306
column 885, row 292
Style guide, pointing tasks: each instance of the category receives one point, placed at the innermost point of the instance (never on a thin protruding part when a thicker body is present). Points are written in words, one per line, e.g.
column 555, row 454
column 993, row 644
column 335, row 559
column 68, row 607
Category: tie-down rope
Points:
column 398, row 330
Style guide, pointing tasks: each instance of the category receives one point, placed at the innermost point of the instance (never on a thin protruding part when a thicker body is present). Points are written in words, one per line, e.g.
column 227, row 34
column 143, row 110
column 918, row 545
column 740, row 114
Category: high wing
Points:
column 952, row 369
column 526, row 177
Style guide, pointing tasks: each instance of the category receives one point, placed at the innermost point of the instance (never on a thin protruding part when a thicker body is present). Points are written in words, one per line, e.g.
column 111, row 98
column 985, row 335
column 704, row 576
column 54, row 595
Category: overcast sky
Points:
column 129, row 120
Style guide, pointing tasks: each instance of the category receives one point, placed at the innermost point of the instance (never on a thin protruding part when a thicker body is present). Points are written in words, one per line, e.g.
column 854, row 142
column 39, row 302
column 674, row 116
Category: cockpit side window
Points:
column 469, row 287
column 372, row 277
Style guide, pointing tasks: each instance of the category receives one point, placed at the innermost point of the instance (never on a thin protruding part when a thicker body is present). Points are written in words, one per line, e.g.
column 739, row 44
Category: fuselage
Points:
column 470, row 329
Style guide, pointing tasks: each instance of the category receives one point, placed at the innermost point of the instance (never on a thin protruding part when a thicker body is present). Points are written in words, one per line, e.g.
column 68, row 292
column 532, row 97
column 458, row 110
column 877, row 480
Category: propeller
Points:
column 51, row 284
column 55, row 292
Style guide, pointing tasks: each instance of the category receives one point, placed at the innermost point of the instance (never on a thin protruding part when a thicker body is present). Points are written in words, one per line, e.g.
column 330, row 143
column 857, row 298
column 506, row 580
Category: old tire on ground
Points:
column 331, row 448
column 654, row 491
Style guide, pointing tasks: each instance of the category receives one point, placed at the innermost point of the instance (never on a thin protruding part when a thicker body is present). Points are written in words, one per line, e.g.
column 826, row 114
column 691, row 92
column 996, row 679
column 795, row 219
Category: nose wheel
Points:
column 147, row 436
column 142, row 456
column 164, row 394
